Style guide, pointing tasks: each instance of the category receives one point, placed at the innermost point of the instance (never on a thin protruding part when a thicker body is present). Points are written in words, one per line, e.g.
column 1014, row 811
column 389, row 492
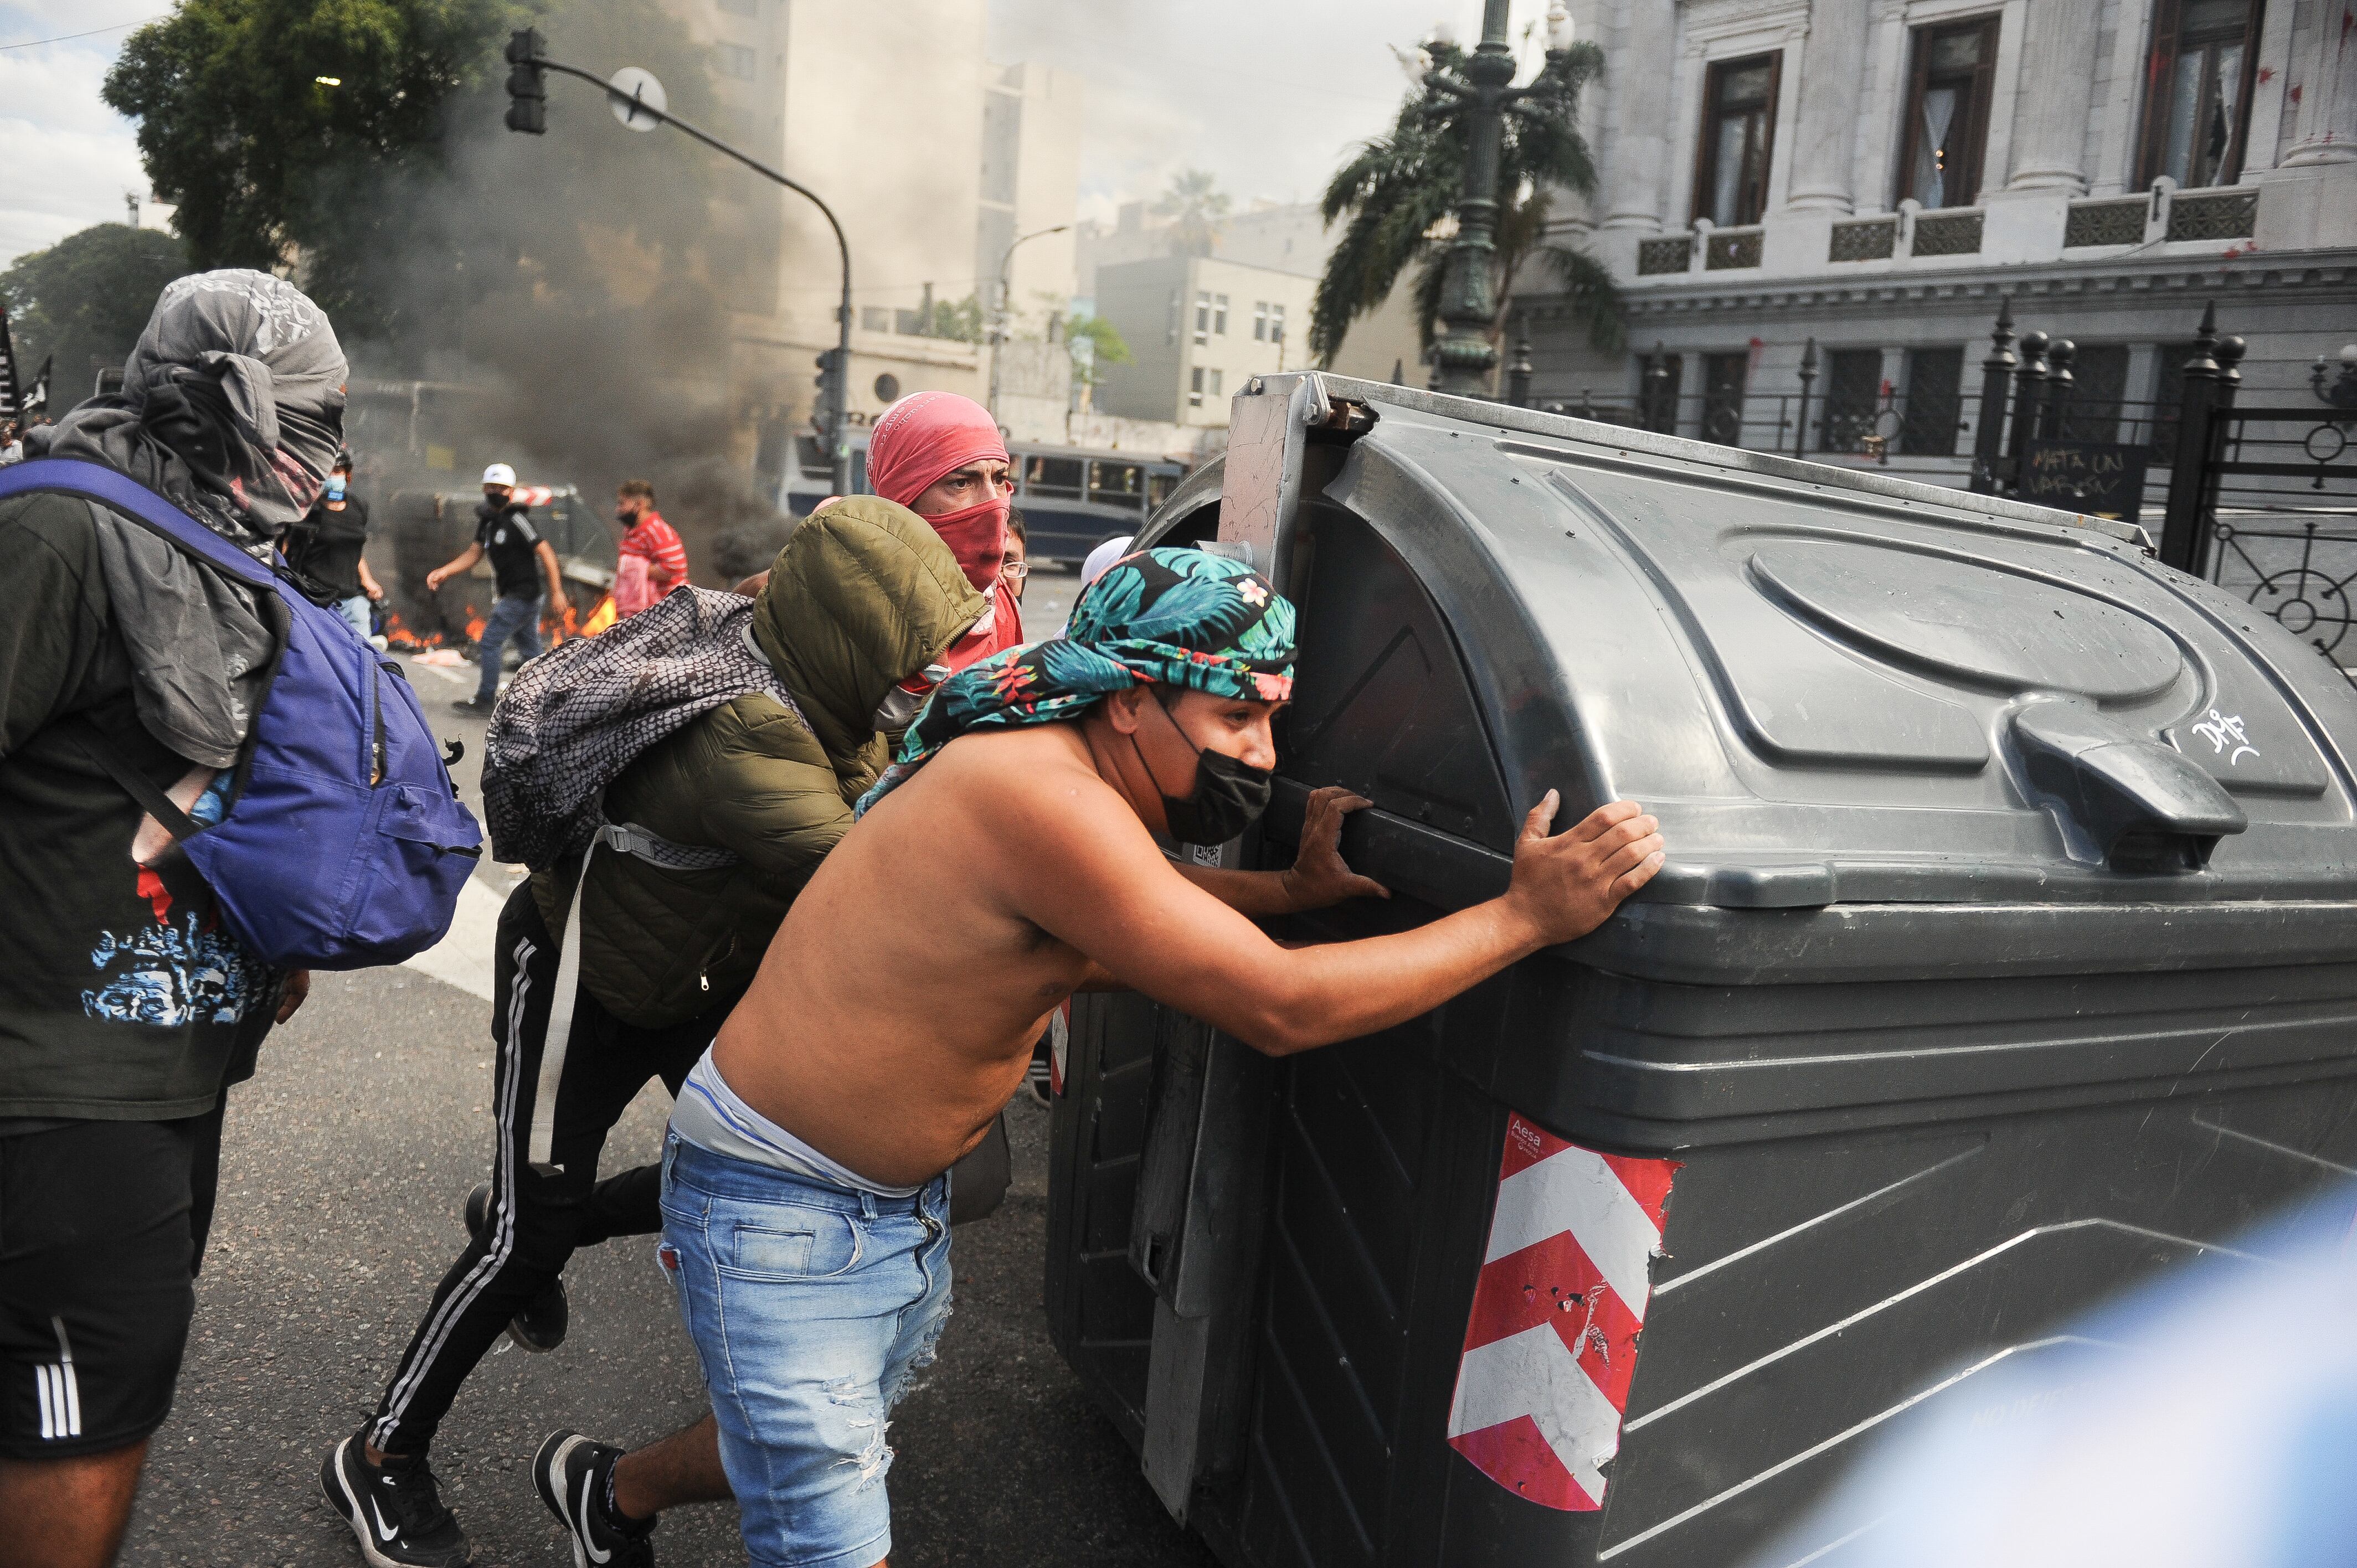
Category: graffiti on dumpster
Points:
column 2219, row 729
column 1551, row 1343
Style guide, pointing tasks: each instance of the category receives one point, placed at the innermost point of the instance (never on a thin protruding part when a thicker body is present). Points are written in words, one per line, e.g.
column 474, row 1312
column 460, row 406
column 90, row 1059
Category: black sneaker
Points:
column 396, row 1509
column 473, row 705
column 540, row 1326
column 572, row 1473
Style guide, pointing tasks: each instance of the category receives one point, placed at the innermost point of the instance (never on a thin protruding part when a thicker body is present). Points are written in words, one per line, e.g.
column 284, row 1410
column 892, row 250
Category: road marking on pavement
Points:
column 463, row 957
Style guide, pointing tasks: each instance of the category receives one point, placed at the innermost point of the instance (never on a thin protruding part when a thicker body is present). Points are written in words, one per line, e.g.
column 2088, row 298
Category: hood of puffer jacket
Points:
column 863, row 595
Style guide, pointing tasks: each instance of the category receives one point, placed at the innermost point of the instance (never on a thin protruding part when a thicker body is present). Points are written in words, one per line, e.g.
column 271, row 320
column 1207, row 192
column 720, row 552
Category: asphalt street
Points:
column 347, row 1158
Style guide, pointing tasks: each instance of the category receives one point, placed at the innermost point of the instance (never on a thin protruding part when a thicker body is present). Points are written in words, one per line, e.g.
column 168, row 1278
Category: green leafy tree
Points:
column 85, row 301
column 1094, row 343
column 248, row 110
column 1196, row 207
column 958, row 320
column 1399, row 194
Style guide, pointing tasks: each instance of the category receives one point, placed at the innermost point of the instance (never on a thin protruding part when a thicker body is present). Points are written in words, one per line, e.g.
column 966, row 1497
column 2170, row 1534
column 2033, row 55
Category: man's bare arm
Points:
column 1099, row 883
column 1317, row 878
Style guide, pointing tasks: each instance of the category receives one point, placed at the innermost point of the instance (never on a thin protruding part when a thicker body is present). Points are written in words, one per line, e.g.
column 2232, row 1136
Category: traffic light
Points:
column 527, row 83
column 829, row 382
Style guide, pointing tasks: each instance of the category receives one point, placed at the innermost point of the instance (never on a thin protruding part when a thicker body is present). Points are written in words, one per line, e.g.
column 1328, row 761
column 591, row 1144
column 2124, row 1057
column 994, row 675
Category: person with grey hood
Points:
column 127, row 1009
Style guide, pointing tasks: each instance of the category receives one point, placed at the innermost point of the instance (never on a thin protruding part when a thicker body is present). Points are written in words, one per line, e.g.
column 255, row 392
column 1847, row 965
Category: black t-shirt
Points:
column 508, row 537
column 120, row 994
column 327, row 545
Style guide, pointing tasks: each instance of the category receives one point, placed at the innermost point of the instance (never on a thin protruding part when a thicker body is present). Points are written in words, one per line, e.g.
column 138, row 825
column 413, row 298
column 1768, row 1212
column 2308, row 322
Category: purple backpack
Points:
column 344, row 845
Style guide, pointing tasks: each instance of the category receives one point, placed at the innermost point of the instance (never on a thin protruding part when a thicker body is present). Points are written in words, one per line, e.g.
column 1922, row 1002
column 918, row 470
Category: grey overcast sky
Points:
column 1267, row 94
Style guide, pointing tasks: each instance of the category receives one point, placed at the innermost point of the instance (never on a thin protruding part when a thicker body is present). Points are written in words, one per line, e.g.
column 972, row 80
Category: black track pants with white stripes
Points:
column 537, row 1219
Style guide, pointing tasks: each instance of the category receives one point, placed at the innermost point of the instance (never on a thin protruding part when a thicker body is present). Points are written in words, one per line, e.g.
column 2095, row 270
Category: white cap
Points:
column 499, row 474
column 1103, row 557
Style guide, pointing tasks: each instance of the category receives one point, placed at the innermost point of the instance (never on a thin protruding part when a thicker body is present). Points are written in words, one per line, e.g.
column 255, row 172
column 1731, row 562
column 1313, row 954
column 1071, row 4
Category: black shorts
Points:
column 101, row 1227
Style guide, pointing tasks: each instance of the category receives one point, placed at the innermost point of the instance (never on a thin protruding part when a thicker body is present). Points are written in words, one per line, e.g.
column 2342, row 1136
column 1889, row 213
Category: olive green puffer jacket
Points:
column 863, row 595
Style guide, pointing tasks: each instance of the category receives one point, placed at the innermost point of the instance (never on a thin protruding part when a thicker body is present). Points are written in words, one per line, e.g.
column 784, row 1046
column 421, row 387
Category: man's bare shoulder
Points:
column 1036, row 784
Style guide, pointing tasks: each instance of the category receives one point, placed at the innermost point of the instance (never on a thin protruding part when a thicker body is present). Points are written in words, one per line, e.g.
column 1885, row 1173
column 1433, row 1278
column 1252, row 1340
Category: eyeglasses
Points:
column 1015, row 570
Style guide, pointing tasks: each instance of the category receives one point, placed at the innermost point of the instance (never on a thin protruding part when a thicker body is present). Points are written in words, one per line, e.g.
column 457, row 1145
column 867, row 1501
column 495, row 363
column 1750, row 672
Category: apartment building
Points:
column 1858, row 184
column 1198, row 327
column 928, row 201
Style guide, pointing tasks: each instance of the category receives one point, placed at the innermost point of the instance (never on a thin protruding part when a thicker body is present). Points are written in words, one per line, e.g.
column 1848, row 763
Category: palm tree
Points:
column 1196, row 206
column 1401, row 191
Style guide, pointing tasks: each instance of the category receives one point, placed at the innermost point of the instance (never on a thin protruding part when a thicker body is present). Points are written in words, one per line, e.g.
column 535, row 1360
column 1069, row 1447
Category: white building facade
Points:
column 1869, row 179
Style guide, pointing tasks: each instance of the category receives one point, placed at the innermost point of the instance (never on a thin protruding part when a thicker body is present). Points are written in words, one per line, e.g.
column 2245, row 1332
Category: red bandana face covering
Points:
column 976, row 535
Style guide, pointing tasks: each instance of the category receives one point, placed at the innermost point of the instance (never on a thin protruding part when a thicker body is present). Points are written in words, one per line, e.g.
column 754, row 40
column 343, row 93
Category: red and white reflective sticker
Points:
column 1552, row 1340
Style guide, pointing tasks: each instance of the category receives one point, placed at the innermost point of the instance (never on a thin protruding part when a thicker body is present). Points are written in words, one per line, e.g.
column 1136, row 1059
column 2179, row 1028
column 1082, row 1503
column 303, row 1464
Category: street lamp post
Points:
column 635, row 95
column 998, row 314
column 1463, row 356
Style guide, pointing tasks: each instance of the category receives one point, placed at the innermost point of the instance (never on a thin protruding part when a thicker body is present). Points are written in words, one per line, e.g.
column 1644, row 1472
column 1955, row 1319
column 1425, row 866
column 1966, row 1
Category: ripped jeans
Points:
column 812, row 1307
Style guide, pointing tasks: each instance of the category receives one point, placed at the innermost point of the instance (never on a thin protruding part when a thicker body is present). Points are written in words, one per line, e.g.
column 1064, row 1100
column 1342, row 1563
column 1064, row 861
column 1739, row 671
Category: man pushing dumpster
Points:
column 804, row 1198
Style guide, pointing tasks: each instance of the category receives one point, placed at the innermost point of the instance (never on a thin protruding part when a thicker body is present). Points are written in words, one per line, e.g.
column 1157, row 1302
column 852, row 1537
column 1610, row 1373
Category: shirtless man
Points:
column 805, row 1199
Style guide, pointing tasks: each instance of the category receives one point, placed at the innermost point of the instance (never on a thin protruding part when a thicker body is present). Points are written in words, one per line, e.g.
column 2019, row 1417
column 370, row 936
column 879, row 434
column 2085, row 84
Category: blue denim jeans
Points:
column 811, row 1308
column 513, row 616
column 356, row 611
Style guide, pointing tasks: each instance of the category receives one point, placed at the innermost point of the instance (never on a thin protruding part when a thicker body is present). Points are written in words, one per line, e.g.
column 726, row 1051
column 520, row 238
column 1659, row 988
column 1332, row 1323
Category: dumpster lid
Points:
column 1835, row 687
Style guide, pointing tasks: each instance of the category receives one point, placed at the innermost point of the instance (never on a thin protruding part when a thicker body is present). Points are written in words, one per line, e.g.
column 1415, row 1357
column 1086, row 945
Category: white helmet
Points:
column 499, row 474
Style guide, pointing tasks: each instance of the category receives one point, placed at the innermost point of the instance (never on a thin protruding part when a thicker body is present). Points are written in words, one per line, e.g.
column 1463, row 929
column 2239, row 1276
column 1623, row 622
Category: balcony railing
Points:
column 1868, row 239
column 2231, row 213
column 1671, row 253
column 1953, row 231
column 1731, row 248
column 2117, row 222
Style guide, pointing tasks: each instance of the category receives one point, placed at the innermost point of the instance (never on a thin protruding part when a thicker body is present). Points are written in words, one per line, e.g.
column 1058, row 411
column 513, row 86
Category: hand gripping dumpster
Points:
column 2006, row 953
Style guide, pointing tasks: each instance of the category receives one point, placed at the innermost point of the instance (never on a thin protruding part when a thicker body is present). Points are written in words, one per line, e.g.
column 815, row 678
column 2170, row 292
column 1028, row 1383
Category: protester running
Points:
column 724, row 820
column 520, row 558
column 127, row 1008
column 803, row 1193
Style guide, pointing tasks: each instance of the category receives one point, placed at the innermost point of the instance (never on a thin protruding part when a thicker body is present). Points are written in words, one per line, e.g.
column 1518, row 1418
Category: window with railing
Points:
column 1723, row 380
column 1658, row 380
column 1853, row 388
column 2198, row 85
column 1739, row 138
column 2099, row 389
column 1195, row 387
column 1947, row 112
column 1935, row 413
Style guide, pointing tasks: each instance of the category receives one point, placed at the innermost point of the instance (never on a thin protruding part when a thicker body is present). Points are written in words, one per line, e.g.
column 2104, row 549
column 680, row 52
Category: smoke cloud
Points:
column 567, row 297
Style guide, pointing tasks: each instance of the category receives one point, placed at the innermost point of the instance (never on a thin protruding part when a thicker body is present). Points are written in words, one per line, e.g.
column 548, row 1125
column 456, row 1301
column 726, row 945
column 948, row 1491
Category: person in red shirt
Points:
column 653, row 562
column 943, row 457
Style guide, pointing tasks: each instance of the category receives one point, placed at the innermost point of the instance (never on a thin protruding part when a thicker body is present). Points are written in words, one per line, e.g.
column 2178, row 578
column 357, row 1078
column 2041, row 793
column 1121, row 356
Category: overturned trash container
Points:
column 2006, row 953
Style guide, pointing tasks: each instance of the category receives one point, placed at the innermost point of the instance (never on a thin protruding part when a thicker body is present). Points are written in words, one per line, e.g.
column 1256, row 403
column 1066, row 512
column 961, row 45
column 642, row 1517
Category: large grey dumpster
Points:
column 2004, row 955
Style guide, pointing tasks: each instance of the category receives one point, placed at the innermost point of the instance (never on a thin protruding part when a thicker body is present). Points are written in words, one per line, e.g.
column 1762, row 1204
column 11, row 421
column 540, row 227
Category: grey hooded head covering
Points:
column 232, row 405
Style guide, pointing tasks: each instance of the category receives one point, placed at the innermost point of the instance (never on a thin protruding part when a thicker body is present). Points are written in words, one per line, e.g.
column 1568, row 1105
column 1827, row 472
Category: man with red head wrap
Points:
column 941, row 456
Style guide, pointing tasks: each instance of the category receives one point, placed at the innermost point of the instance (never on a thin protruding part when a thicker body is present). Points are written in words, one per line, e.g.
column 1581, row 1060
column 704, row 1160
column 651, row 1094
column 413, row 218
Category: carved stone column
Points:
column 2058, row 84
column 1641, row 95
column 1833, row 76
column 2328, row 106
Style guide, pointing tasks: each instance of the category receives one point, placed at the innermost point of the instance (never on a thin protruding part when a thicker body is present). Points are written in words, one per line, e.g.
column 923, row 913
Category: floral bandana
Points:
column 1179, row 617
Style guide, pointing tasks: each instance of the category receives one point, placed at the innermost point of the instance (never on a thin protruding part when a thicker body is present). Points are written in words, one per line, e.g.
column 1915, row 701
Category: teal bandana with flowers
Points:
column 1179, row 617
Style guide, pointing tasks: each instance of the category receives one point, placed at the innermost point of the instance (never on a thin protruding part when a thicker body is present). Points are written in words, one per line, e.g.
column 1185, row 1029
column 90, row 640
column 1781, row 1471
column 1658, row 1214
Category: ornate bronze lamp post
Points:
column 1463, row 356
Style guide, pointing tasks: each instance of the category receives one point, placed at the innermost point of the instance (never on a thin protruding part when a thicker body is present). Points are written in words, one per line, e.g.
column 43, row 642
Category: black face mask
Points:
column 1229, row 796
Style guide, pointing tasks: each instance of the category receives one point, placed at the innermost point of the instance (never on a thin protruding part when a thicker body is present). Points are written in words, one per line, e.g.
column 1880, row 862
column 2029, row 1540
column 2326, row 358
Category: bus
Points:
column 1072, row 500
